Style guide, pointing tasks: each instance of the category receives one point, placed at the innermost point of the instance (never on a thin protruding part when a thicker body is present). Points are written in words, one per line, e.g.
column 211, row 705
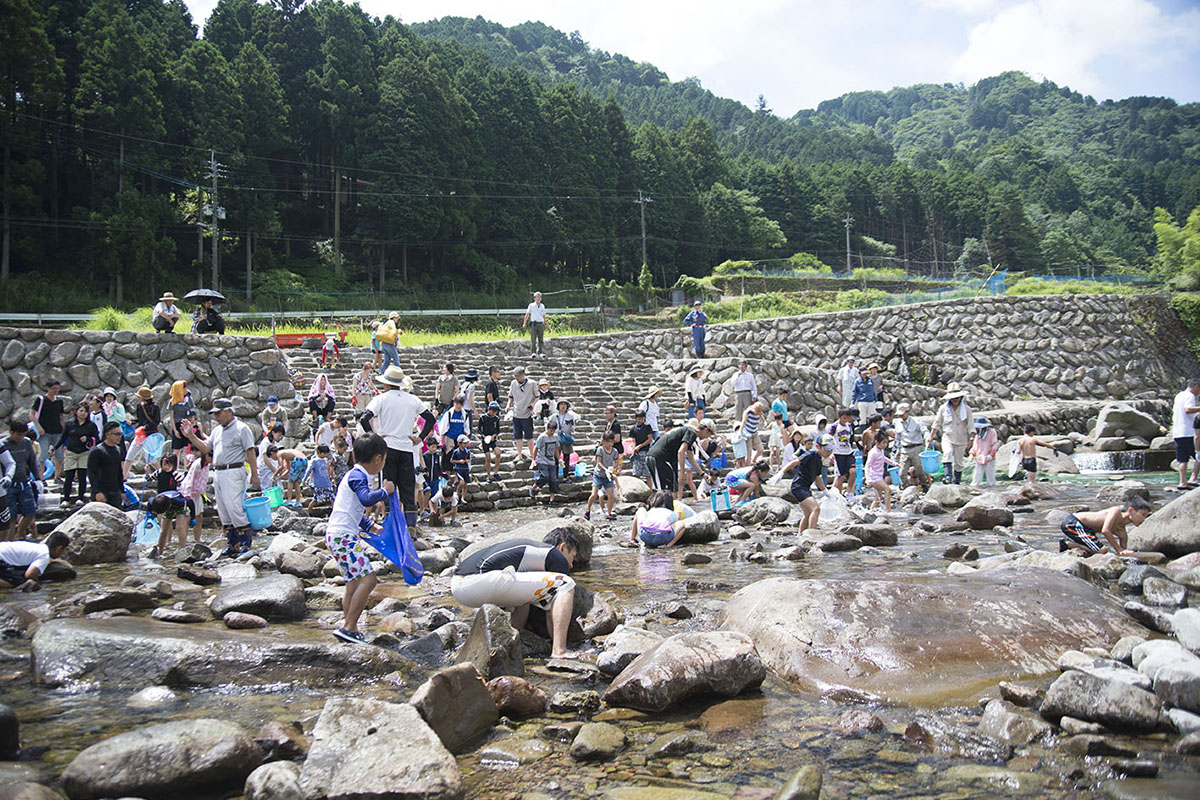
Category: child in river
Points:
column 1083, row 529
column 983, row 450
column 657, row 525
column 1027, row 447
column 877, row 464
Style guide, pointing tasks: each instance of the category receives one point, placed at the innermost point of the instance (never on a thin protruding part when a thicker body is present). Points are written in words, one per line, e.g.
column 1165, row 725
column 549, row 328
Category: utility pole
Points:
column 337, row 222
column 848, row 221
column 218, row 214
column 641, row 201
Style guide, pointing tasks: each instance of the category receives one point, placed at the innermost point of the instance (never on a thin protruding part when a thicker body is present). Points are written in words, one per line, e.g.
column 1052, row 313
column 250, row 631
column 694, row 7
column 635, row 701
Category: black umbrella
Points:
column 200, row 295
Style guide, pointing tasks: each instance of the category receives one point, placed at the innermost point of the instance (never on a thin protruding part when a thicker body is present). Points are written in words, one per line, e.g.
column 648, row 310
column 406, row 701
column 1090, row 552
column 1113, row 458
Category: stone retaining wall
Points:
column 246, row 369
column 1053, row 346
column 1059, row 419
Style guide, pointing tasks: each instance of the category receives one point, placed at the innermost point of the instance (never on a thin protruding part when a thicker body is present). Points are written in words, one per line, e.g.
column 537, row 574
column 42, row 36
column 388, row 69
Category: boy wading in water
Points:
column 1083, row 530
column 1027, row 447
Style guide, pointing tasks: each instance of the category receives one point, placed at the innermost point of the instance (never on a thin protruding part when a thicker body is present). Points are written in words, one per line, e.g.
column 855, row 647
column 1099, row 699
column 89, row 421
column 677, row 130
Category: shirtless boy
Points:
column 1082, row 530
column 1027, row 446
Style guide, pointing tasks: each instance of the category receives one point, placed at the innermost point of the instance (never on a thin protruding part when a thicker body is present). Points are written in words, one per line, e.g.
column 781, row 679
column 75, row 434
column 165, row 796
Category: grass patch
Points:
column 1031, row 286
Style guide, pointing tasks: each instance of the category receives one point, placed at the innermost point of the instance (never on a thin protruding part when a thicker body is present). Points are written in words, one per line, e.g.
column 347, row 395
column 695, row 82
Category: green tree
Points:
column 1010, row 236
column 1177, row 249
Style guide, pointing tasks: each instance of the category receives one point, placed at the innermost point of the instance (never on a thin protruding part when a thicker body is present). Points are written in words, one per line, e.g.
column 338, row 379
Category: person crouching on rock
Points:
column 519, row 573
column 747, row 481
column 657, row 525
column 22, row 563
column 1082, row 530
column 347, row 520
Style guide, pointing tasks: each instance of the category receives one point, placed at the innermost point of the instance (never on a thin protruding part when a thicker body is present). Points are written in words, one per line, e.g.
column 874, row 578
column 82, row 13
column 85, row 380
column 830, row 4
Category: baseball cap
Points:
column 494, row 405
column 825, row 441
column 272, row 399
column 222, row 405
column 462, row 437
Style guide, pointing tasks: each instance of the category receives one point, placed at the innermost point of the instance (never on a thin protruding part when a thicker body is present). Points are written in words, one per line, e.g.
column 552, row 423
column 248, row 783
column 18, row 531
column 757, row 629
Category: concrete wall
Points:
column 243, row 368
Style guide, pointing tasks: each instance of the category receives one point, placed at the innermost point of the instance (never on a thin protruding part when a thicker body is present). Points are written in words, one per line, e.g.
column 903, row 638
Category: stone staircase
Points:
column 588, row 382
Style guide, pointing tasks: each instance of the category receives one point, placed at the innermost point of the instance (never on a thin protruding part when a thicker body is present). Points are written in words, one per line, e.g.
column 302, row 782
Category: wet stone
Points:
column 598, row 741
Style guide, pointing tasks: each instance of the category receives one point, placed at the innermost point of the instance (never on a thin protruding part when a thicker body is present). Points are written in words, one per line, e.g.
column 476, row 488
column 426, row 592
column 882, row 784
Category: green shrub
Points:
column 1187, row 306
column 108, row 319
column 807, row 262
column 1028, row 286
column 734, row 268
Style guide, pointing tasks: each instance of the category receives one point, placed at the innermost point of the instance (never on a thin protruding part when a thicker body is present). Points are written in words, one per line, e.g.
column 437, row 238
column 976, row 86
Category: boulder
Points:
column 1121, row 419
column 135, row 651
column 701, row 528
column 105, row 599
column 372, row 749
column 597, row 741
column 1163, row 592
column 27, row 790
column 949, row 495
column 493, row 645
column 1173, row 530
column 805, row 784
column 436, row 559
column 1005, row 722
column 1123, row 491
column 688, row 664
column 302, row 565
column 173, row 758
column 764, row 511
column 1111, row 444
column 1111, row 703
column 1186, row 623
column 276, row 598
column 538, row 531
column 280, row 741
column 1174, row 671
column 456, row 705
column 986, row 512
column 1131, row 579
column 99, row 534
column 632, row 490
column 622, row 646
column 516, row 697
column 916, row 639
column 279, row 780
column 873, row 534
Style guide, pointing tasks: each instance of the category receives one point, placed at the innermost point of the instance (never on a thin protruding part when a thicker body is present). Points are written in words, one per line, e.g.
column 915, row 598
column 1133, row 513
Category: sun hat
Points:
column 654, row 390
column 902, row 407
column 562, row 401
column 982, row 422
column 697, row 370
column 697, row 303
column 109, row 390
column 708, row 424
column 392, row 376
column 145, row 392
column 874, row 365
column 222, row 405
column 394, row 315
column 953, row 391
column 167, row 296
column 472, row 374
column 544, row 382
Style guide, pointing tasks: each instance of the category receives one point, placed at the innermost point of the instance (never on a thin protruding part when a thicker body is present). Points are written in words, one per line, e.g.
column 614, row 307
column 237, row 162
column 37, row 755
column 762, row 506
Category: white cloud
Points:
column 1069, row 40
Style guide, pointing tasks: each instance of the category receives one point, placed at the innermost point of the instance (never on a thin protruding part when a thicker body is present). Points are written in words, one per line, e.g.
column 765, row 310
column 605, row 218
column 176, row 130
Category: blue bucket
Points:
column 931, row 461
column 258, row 511
column 895, row 473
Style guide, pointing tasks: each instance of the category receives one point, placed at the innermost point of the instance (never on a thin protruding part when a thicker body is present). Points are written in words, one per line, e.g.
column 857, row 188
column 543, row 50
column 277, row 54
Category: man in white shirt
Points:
column 22, row 563
column 392, row 414
column 535, row 321
column 231, row 444
column 166, row 313
column 911, row 436
column 846, row 377
column 1183, row 430
column 745, row 389
column 520, row 399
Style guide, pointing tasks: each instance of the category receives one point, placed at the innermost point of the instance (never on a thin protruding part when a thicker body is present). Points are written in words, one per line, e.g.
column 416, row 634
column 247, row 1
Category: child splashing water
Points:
column 877, row 464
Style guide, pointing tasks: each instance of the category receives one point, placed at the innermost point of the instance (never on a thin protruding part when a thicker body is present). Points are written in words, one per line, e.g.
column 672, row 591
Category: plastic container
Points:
column 895, row 473
column 859, row 472
column 580, row 469
column 721, row 461
column 258, row 511
column 931, row 461
column 275, row 495
column 48, row 501
column 131, row 499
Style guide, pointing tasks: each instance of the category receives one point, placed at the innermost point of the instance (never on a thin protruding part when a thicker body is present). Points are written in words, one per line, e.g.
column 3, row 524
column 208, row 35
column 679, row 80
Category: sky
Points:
column 797, row 53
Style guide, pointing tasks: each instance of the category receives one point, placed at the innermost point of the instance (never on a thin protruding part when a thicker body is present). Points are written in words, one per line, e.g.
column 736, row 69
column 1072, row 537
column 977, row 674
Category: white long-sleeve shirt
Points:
column 744, row 382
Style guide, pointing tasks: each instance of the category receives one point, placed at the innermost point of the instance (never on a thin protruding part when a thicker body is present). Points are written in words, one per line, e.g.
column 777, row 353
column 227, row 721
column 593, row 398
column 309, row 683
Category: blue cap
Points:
column 982, row 422
column 494, row 405
column 272, row 399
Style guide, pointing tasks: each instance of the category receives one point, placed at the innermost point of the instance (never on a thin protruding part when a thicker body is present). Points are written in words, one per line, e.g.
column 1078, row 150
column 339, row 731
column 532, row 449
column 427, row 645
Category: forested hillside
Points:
column 356, row 153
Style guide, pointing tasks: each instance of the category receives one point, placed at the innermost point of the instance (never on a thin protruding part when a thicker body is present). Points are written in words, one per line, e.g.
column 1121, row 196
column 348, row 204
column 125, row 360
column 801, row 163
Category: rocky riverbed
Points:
column 950, row 653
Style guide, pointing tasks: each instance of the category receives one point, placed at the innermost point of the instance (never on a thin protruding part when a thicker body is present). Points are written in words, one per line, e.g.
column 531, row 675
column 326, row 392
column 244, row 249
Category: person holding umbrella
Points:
column 166, row 313
column 206, row 319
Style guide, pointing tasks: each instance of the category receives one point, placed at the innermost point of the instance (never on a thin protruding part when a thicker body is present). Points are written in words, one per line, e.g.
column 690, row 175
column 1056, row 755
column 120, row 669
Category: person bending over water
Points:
column 1082, row 530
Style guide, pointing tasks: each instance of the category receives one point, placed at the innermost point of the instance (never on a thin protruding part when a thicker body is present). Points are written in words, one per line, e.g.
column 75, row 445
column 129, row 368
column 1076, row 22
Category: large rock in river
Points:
column 278, row 598
column 701, row 528
column 764, row 511
column 685, row 665
column 135, row 652
column 372, row 749
column 923, row 639
column 986, row 512
column 1121, row 419
column 187, row 757
column 1174, row 529
column 538, row 530
column 99, row 534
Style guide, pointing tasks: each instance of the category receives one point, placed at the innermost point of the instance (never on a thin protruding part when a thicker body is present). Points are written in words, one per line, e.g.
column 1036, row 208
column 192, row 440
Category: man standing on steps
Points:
column 231, row 444
column 698, row 320
column 847, row 376
column 1184, row 419
column 520, row 399
column 745, row 389
column 47, row 415
column 393, row 414
column 535, row 321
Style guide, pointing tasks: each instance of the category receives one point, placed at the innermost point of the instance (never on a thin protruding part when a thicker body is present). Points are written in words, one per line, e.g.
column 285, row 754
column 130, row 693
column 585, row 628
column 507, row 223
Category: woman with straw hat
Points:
column 166, row 313
column 695, row 391
column 649, row 407
column 147, row 418
column 953, row 424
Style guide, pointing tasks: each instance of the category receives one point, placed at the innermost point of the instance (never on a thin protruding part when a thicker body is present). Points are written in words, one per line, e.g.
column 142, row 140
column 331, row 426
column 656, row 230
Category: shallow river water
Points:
column 758, row 740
